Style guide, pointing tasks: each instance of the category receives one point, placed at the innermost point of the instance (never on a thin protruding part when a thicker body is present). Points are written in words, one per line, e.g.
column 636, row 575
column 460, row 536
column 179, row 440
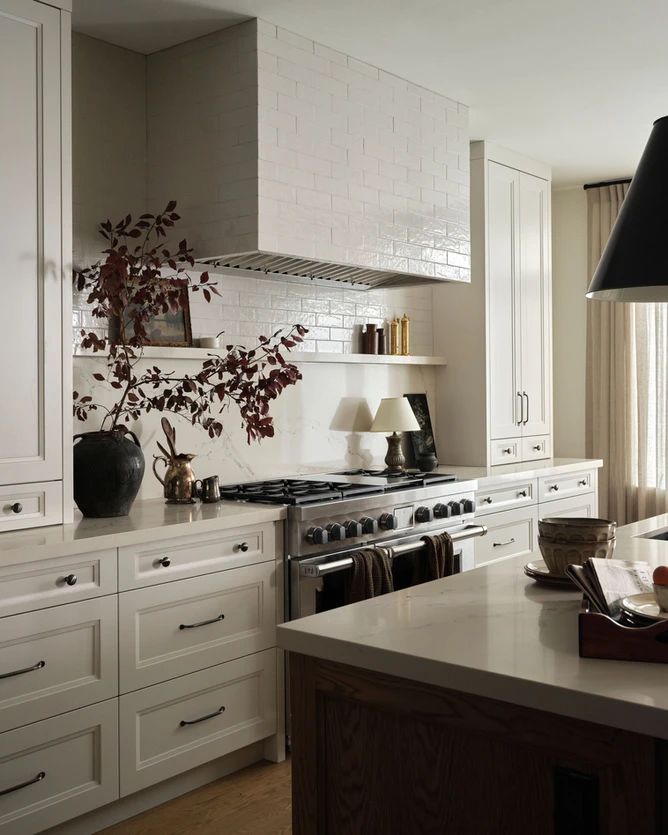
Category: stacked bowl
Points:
column 567, row 541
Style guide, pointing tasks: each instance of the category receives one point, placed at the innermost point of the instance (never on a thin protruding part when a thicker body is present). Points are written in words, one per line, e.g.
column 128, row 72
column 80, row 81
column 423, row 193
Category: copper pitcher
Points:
column 179, row 480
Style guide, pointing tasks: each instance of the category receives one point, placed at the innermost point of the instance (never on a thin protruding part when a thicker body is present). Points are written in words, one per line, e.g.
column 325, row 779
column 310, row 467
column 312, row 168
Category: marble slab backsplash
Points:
column 324, row 420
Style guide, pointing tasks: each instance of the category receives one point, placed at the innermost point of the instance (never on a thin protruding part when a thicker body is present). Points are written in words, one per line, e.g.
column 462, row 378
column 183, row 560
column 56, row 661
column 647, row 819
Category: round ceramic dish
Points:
column 559, row 529
column 538, row 571
column 559, row 555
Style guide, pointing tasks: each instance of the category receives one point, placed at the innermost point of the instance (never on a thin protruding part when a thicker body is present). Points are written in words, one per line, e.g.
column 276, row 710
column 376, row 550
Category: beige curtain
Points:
column 627, row 392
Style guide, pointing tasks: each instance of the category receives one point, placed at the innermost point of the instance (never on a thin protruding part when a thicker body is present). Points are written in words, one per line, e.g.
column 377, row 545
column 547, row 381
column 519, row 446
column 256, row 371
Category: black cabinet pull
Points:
column 582, row 482
column 213, row 715
column 487, row 500
column 38, row 666
column 522, row 494
column 243, row 546
column 70, row 580
column 201, row 623
column 165, row 562
column 36, row 779
column 501, row 544
column 17, row 507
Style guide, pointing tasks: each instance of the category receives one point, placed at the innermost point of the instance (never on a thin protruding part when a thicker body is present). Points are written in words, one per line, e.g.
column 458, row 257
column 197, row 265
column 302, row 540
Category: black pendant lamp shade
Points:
column 634, row 264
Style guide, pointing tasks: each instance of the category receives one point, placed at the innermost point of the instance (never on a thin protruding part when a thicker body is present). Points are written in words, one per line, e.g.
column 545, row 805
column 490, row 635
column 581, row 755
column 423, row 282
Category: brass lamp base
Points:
column 395, row 457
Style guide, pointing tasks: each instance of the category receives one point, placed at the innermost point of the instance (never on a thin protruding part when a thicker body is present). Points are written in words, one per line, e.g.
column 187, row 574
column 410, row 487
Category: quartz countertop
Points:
column 148, row 520
column 494, row 632
column 489, row 476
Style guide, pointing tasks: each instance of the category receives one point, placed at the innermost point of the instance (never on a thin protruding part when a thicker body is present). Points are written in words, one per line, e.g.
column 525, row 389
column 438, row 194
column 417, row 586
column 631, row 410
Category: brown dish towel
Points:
column 371, row 575
column 438, row 559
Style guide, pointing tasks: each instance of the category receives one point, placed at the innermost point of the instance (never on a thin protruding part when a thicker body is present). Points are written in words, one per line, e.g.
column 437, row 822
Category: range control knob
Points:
column 424, row 514
column 388, row 521
column 336, row 532
column 369, row 525
column 442, row 511
column 468, row 505
column 353, row 529
column 456, row 508
column 317, row 536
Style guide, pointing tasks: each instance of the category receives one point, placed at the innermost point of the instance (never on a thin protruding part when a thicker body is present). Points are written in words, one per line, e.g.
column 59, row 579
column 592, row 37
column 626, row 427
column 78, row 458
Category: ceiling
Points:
column 574, row 83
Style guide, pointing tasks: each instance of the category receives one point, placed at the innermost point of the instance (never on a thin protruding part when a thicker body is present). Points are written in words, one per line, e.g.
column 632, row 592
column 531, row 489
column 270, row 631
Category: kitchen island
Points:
column 462, row 705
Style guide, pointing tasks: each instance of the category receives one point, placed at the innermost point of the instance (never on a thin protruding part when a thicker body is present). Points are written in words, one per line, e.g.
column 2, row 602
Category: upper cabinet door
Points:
column 534, row 271
column 504, row 394
column 30, row 239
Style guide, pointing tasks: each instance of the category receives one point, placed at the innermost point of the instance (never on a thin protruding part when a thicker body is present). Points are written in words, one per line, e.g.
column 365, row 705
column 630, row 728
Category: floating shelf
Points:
column 293, row 356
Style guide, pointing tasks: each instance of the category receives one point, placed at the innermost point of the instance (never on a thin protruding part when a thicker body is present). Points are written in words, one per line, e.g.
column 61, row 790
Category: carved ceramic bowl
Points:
column 559, row 555
column 564, row 529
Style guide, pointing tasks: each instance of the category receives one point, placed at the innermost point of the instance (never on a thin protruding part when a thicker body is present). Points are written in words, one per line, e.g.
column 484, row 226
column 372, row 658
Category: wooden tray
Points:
column 602, row 637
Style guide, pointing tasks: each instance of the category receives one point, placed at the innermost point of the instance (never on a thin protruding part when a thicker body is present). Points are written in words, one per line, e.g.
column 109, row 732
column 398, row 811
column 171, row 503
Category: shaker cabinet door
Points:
column 503, row 304
column 534, row 272
column 30, row 240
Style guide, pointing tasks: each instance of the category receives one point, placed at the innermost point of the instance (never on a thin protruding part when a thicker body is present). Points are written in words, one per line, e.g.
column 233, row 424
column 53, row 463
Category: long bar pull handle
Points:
column 521, row 399
column 201, row 623
column 526, row 419
column 501, row 544
column 37, row 779
column 213, row 715
column 38, row 666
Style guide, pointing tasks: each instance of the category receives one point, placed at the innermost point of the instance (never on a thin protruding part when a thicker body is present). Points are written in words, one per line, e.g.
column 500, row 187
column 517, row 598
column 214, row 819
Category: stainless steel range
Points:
column 333, row 514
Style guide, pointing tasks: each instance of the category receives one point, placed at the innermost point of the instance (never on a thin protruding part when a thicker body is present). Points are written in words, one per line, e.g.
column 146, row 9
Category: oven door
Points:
column 317, row 584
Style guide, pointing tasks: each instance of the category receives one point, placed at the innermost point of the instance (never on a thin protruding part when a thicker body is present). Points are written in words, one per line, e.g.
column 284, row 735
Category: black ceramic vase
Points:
column 108, row 470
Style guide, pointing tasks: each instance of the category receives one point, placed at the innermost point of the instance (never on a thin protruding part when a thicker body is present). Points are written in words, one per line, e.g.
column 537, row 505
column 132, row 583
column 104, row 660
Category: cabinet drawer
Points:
column 177, row 628
column 505, row 451
column 173, row 559
column 575, row 506
column 505, row 497
column 509, row 534
column 170, row 728
column 35, row 584
column 57, row 660
column 76, row 757
column 30, row 505
column 566, row 484
column 536, row 448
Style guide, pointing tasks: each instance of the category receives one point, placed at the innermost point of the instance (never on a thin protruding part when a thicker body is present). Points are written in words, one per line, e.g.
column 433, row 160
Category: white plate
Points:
column 644, row 605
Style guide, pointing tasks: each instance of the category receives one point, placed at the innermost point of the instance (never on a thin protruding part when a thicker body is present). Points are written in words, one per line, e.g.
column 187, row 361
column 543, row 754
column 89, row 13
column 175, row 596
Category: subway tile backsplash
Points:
column 248, row 307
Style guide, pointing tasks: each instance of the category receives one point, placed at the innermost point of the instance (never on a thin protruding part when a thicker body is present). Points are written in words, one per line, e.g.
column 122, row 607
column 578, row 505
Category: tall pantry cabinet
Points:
column 35, row 240
column 495, row 398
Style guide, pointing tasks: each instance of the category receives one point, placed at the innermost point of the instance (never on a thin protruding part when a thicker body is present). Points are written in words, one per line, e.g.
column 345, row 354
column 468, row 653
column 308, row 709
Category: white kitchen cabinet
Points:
column 510, row 533
column 574, row 506
column 35, row 214
column 494, row 404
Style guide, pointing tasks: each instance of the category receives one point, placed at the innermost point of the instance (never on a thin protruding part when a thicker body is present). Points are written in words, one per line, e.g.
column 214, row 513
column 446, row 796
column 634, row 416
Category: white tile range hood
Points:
column 288, row 158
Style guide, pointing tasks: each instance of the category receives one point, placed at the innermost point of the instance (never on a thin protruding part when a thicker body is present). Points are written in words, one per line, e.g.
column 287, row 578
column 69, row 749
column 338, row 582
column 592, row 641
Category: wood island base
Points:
column 380, row 755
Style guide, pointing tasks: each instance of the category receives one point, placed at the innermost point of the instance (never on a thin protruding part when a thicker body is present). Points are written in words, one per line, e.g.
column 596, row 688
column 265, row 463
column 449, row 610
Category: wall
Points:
column 569, row 283
column 322, row 420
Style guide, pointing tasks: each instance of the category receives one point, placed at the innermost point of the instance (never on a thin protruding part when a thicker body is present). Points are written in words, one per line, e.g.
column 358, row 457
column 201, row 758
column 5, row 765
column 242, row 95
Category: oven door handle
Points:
column 322, row 569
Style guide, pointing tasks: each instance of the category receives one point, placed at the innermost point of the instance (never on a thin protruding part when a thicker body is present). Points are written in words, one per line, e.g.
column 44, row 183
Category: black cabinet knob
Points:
column 242, row 546
column 336, row 532
column 165, row 562
column 353, row 529
column 369, row 525
column 442, row 511
column 388, row 522
column 17, row 507
column 424, row 514
column 317, row 536
column 70, row 580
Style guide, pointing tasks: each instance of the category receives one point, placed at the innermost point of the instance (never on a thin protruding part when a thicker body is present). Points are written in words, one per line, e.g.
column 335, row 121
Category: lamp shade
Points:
column 634, row 263
column 395, row 415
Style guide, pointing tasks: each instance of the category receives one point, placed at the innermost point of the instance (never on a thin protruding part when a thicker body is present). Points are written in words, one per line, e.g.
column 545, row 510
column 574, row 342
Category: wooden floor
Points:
column 255, row 801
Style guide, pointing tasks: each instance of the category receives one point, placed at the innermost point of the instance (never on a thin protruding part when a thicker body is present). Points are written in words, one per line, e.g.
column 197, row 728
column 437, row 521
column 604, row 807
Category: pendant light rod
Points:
column 605, row 183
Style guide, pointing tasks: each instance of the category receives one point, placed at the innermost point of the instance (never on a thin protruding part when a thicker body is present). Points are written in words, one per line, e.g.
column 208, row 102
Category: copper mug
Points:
column 208, row 489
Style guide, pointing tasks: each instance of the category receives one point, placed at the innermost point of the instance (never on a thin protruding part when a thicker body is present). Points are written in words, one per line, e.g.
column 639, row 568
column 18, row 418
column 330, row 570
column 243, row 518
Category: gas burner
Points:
column 409, row 478
column 295, row 491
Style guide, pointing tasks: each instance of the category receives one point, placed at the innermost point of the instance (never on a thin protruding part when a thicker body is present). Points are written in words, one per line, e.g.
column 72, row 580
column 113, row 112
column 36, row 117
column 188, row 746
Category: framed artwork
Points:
column 170, row 330
column 422, row 442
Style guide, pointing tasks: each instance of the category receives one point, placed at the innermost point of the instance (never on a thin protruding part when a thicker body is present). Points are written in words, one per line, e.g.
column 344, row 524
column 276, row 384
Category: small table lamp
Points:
column 395, row 415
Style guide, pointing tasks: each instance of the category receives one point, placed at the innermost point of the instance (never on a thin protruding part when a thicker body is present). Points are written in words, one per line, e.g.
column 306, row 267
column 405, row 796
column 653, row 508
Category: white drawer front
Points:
column 505, row 497
column 509, row 534
column 77, row 754
column 566, row 484
column 57, row 660
column 35, row 584
column 178, row 628
column 505, row 451
column 30, row 505
column 575, row 506
column 172, row 727
column 174, row 559
column 536, row 448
